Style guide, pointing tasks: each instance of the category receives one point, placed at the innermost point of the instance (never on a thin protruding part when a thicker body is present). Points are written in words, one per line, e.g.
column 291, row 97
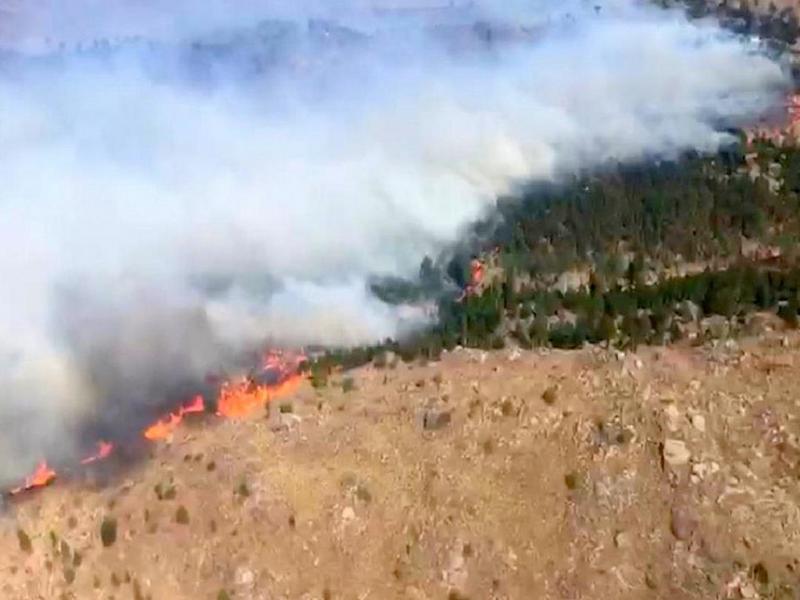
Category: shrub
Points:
column 108, row 531
column 182, row 516
column 550, row 395
column 24, row 541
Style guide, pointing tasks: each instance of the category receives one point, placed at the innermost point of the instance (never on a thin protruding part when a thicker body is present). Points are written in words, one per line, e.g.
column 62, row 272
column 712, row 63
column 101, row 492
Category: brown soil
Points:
column 461, row 479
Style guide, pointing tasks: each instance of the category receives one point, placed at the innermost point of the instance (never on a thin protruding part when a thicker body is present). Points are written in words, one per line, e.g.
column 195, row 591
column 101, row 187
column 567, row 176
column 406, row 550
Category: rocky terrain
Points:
column 669, row 473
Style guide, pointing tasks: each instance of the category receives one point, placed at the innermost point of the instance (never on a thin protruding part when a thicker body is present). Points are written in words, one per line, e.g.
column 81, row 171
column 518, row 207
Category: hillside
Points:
column 669, row 473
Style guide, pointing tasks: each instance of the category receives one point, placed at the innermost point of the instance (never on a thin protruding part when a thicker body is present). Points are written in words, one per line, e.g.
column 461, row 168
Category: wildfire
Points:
column 42, row 476
column 236, row 398
column 104, row 450
column 240, row 398
column 164, row 427
column 787, row 129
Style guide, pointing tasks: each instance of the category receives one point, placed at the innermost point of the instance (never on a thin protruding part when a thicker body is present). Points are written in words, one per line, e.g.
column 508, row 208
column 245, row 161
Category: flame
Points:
column 163, row 428
column 237, row 398
column 104, row 449
column 240, row 398
column 42, row 476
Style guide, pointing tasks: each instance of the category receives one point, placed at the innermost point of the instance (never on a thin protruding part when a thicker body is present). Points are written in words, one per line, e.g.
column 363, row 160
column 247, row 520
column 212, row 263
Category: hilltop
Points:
column 665, row 473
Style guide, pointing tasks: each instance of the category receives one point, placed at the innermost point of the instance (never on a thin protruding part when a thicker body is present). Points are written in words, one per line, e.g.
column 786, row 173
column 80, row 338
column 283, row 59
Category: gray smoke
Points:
column 235, row 175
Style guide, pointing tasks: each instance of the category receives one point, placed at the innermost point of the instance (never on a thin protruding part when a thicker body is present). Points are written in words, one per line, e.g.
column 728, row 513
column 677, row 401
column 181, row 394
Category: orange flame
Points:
column 42, row 476
column 104, row 449
column 236, row 399
column 240, row 398
column 163, row 428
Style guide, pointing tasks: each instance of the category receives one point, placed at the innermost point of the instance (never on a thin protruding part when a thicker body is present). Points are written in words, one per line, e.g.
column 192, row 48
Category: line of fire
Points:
column 279, row 374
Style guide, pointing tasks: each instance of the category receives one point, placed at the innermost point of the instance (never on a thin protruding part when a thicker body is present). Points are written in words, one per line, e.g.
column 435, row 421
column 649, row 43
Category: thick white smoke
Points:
column 162, row 212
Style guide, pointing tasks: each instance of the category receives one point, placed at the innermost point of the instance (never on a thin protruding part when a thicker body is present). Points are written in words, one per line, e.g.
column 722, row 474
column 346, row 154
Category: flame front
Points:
column 237, row 398
column 42, row 476
column 104, row 450
column 163, row 428
column 240, row 398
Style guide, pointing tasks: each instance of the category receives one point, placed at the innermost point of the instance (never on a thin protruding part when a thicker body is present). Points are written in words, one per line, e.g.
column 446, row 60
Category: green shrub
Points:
column 108, row 531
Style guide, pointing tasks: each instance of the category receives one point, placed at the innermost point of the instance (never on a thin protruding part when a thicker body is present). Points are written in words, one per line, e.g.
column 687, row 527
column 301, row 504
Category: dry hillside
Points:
column 671, row 473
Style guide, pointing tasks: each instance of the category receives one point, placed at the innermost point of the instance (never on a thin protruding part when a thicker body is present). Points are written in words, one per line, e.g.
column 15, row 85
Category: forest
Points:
column 633, row 232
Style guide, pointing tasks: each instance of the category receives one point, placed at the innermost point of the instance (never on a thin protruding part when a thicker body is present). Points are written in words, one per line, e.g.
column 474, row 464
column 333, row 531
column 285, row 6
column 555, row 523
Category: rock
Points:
column 701, row 470
column 348, row 514
column 689, row 311
column 717, row 326
column 699, row 423
column 676, row 453
column 414, row 593
column 244, row 577
column 673, row 416
column 623, row 540
column 456, row 573
column 683, row 523
column 279, row 421
column 748, row 591
column 435, row 419
column 571, row 280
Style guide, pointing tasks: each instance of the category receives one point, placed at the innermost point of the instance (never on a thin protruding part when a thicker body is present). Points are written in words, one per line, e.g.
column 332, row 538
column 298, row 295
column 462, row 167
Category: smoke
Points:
column 234, row 178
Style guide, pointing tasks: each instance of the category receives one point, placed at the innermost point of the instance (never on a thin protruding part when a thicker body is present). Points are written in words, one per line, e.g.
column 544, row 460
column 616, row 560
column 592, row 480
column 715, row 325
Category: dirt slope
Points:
column 462, row 479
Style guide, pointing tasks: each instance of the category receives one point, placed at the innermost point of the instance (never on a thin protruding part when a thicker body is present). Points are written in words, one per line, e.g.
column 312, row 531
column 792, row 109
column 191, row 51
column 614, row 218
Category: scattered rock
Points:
column 699, row 423
column 673, row 417
column 676, row 453
column 283, row 421
column 683, row 523
column 244, row 577
column 748, row 591
column 348, row 514
column 623, row 540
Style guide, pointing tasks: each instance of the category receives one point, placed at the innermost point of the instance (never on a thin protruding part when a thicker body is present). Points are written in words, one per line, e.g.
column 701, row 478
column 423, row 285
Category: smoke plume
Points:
column 185, row 182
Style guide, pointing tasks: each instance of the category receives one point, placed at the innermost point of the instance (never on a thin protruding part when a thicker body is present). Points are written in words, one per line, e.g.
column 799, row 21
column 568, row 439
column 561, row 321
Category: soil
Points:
column 666, row 473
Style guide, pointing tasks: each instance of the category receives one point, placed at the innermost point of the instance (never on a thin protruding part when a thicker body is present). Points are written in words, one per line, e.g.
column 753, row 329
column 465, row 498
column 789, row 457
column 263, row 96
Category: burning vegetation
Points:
column 279, row 375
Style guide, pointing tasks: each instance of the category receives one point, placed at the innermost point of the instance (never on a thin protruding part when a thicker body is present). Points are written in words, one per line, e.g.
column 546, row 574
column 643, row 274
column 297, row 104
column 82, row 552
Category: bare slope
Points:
column 463, row 479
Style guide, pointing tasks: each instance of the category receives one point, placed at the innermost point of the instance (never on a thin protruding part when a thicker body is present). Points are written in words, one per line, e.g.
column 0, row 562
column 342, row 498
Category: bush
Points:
column 550, row 395
column 24, row 541
column 182, row 516
column 108, row 531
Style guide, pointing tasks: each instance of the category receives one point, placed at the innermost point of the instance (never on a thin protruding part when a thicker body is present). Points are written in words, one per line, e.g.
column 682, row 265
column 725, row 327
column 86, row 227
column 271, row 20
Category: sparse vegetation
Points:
column 182, row 516
column 108, row 531
column 348, row 384
column 165, row 491
column 24, row 541
column 242, row 490
column 550, row 395
column 572, row 480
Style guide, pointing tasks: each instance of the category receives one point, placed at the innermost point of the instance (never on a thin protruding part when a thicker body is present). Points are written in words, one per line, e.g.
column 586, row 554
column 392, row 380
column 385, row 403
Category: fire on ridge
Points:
column 237, row 398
